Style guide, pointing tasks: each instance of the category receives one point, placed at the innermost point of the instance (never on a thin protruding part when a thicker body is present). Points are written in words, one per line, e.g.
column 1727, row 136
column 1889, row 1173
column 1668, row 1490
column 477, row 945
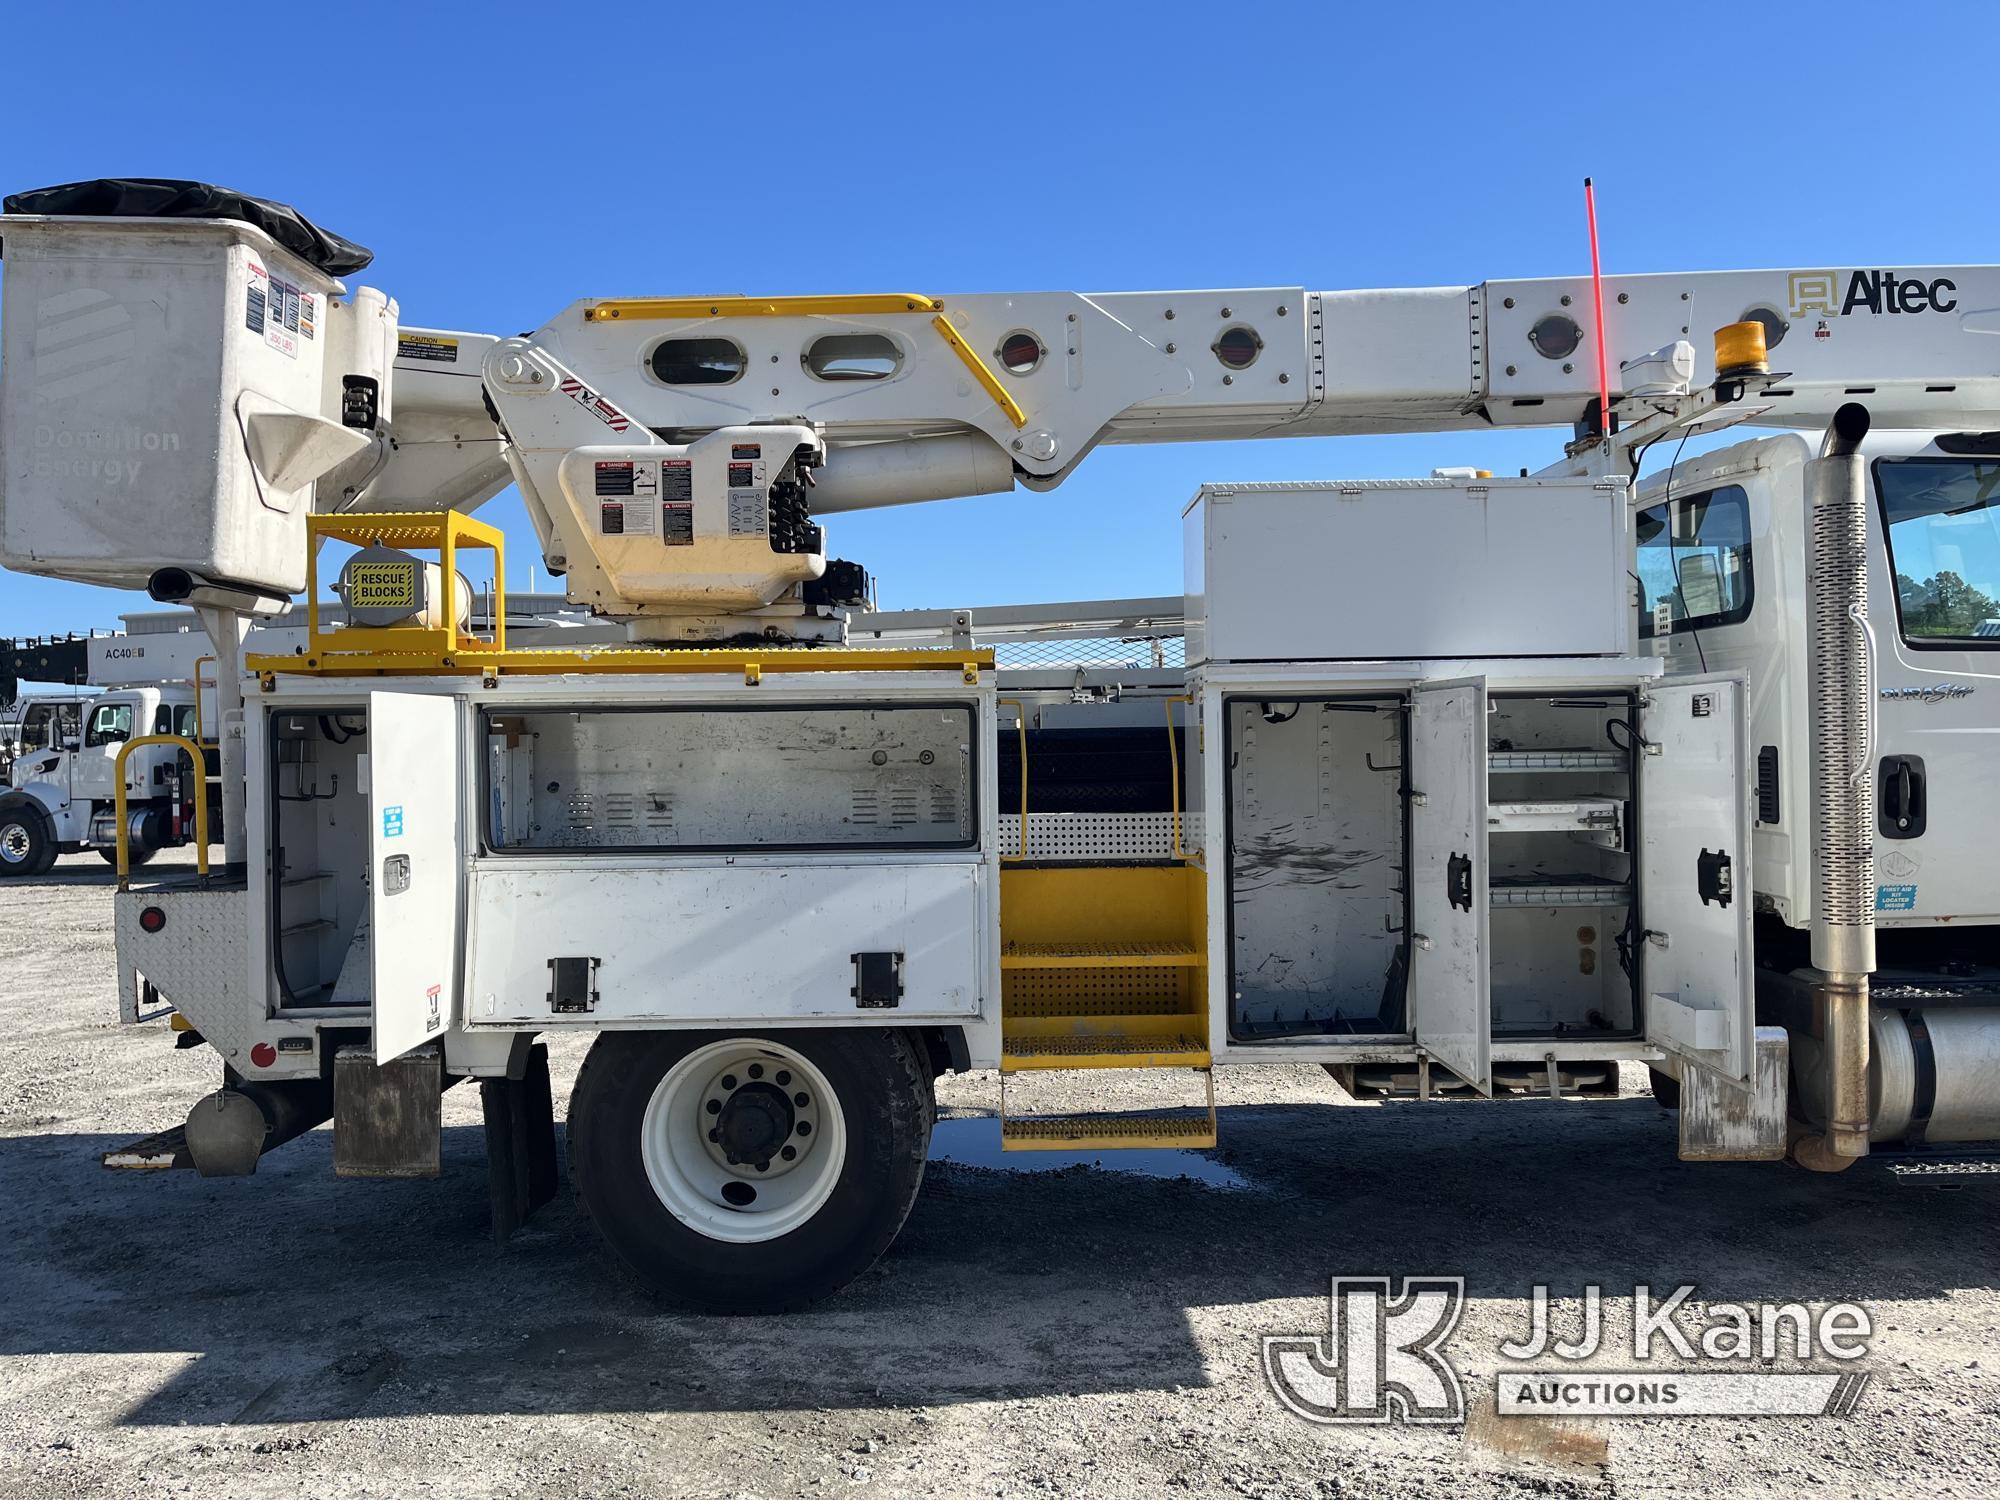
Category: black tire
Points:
column 1666, row 1089
column 138, row 855
column 27, row 847
column 884, row 1094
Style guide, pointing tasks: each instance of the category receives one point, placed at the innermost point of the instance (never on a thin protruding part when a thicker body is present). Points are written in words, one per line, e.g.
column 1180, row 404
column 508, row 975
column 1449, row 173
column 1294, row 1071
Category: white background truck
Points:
column 61, row 787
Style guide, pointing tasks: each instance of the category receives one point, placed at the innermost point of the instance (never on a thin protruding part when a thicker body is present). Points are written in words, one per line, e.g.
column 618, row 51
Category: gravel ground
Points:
column 1033, row 1332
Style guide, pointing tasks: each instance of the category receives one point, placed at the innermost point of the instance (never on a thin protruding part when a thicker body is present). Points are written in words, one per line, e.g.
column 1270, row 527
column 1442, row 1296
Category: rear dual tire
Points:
column 679, row 1145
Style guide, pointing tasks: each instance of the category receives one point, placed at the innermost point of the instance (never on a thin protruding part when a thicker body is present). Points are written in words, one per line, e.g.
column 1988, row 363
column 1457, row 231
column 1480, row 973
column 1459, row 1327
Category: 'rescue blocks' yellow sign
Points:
column 383, row 586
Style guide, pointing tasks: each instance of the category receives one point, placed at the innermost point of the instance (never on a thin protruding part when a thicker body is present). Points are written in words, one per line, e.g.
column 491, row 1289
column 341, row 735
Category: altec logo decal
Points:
column 1821, row 293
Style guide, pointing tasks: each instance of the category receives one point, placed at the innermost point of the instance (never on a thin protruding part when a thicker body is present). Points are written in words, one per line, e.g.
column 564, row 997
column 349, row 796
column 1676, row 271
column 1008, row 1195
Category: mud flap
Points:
column 1725, row 1121
column 520, row 1142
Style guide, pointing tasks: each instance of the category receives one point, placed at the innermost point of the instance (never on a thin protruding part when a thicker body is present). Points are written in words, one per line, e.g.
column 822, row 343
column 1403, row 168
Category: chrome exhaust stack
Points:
column 1840, row 662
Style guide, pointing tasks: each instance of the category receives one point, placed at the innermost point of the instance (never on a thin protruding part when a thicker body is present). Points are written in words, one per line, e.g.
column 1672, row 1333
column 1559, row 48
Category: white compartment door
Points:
column 414, row 868
column 1451, row 997
column 1694, row 879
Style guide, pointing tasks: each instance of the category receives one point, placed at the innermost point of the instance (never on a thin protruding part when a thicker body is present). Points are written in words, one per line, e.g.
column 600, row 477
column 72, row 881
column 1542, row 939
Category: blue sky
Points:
column 503, row 160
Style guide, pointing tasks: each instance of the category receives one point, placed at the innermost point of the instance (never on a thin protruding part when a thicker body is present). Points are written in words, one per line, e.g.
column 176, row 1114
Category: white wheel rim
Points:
column 14, row 843
column 691, row 1173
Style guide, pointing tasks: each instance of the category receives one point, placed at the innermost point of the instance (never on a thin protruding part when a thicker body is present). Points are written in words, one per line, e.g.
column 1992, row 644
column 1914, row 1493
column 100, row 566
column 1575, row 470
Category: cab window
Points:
column 1941, row 517
column 174, row 719
column 110, row 724
column 1694, row 557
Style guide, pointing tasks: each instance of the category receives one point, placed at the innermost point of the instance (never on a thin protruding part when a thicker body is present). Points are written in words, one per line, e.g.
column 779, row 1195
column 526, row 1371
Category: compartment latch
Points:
column 1714, row 877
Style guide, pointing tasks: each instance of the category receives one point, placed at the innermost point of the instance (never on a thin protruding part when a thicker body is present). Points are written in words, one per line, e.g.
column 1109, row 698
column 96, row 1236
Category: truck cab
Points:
column 1722, row 547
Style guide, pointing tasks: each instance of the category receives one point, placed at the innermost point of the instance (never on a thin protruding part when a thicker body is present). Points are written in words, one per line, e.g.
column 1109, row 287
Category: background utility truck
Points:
column 1433, row 817
column 60, row 793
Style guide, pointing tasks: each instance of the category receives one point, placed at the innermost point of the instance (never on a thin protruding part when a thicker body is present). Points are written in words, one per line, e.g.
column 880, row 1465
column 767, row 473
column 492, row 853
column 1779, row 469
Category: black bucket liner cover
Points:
column 172, row 198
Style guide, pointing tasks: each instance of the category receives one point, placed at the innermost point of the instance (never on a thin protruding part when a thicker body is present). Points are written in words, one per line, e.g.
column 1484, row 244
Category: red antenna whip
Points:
column 1597, row 296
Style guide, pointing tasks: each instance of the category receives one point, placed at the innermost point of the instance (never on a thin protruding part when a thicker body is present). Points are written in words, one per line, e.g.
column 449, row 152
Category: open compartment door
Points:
column 1694, row 879
column 1451, row 996
column 414, row 868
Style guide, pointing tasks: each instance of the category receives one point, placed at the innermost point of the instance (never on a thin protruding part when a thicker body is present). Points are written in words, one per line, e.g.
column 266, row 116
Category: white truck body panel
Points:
column 1510, row 567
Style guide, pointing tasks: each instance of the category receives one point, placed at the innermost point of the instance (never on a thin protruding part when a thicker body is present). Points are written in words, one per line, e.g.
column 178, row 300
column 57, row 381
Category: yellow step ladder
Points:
column 1104, row 966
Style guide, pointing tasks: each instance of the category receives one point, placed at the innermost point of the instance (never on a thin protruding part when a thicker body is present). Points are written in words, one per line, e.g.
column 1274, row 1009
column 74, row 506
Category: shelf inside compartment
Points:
column 1557, row 890
column 1557, row 760
column 1603, row 817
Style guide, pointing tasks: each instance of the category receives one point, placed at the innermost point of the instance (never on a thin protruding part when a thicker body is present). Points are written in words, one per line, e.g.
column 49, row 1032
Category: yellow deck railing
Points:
column 200, row 769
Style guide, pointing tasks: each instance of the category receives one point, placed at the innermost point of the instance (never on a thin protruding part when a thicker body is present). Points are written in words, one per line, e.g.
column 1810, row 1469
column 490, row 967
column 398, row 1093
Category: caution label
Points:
column 429, row 347
column 382, row 585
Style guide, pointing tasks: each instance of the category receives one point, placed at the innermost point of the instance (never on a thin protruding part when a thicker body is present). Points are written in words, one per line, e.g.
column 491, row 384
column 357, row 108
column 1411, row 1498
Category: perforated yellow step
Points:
column 1107, row 1132
column 1098, row 956
column 1021, row 1053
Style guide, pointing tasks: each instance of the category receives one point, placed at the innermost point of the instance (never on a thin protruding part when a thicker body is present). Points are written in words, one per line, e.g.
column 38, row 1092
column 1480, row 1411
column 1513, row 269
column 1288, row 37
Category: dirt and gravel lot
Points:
column 1075, row 1331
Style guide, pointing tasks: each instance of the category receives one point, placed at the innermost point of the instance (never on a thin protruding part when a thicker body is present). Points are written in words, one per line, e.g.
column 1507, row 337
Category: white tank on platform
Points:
column 170, row 390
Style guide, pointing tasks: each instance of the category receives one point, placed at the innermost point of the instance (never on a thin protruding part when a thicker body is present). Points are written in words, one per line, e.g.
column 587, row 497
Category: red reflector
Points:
column 263, row 1054
column 152, row 919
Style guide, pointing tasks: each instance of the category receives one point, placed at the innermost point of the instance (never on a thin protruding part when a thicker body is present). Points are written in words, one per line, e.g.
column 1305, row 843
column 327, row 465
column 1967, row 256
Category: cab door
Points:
column 415, row 867
column 1451, row 997
column 1698, row 978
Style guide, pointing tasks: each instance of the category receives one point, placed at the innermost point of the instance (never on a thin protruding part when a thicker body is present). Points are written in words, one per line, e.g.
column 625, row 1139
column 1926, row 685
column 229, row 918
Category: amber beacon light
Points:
column 1739, row 350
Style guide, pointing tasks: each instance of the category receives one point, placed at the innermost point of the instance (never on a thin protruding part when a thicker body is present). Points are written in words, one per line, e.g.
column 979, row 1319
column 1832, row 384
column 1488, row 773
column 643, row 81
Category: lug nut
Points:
column 802, row 1099
column 715, row 1106
column 755, row 1070
column 784, row 1079
column 805, row 1127
column 790, row 1153
column 729, row 1080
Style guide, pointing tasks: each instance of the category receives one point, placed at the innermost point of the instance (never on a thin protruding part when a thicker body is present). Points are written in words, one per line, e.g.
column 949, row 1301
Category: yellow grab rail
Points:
column 1021, row 728
column 200, row 737
column 981, row 372
column 758, row 307
column 686, row 309
column 1174, row 758
column 200, row 768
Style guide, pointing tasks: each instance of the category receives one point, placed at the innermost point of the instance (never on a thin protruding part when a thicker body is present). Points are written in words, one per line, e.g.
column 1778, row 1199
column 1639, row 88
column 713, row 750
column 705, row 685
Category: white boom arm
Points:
column 1133, row 367
column 850, row 402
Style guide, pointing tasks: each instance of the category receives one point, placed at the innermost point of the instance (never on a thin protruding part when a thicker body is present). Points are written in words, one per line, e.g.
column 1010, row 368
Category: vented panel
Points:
column 1098, row 992
column 1090, row 836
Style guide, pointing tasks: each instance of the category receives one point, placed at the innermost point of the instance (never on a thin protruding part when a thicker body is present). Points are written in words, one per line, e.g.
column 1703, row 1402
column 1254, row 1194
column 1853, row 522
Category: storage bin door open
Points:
column 1450, row 988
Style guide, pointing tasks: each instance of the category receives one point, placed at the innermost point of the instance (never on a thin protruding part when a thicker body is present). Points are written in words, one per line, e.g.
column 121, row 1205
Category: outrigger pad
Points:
column 177, row 198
